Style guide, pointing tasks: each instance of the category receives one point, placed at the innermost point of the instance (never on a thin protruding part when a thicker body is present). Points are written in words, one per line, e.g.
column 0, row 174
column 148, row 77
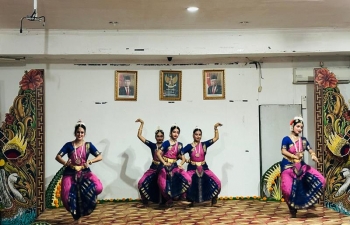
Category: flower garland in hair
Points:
column 297, row 119
column 79, row 123
column 158, row 130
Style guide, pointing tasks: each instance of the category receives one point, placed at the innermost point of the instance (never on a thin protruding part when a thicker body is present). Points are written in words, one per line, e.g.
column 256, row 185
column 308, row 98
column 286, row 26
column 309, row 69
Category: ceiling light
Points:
column 192, row 9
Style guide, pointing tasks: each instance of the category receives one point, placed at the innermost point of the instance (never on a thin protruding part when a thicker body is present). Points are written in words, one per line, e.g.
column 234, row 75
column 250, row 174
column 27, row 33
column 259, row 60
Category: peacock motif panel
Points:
column 21, row 156
column 335, row 145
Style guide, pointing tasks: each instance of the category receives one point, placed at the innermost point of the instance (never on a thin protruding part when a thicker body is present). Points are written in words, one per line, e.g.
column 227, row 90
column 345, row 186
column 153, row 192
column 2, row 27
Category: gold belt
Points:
column 77, row 168
column 293, row 160
column 198, row 163
column 155, row 162
column 169, row 160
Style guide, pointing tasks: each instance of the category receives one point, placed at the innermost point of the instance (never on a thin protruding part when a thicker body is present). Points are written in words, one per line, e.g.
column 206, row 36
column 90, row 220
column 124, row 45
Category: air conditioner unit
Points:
column 306, row 75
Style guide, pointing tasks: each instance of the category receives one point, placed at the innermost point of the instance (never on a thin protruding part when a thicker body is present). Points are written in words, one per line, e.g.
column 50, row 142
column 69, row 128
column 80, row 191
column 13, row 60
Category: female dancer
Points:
column 80, row 186
column 173, row 181
column 148, row 187
column 301, row 184
column 205, row 184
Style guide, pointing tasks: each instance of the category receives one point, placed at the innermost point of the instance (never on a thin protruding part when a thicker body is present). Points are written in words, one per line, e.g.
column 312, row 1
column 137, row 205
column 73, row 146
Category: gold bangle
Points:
column 312, row 154
column 90, row 162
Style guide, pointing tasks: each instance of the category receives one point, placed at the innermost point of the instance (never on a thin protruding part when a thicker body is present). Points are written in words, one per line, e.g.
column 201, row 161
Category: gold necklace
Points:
column 294, row 137
column 172, row 141
column 195, row 145
column 78, row 160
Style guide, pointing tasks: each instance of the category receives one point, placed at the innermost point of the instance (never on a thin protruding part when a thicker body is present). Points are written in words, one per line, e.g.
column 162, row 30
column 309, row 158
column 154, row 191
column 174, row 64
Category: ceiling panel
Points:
column 167, row 14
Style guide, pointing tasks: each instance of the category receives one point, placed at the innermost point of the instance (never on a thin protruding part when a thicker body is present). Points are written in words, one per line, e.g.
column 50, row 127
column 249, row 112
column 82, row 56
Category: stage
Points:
column 227, row 212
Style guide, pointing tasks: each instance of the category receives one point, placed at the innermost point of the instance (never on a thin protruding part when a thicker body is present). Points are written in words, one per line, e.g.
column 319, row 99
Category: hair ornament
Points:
column 158, row 129
column 79, row 123
column 298, row 119
column 293, row 122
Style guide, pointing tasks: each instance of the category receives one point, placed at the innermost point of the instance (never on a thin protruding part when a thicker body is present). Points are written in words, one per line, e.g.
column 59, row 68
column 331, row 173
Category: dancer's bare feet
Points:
column 214, row 205
column 169, row 209
column 214, row 202
column 184, row 202
column 141, row 206
column 78, row 221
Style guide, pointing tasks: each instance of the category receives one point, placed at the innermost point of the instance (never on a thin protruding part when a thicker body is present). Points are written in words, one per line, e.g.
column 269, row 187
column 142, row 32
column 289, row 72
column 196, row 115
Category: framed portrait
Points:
column 125, row 86
column 170, row 85
column 213, row 84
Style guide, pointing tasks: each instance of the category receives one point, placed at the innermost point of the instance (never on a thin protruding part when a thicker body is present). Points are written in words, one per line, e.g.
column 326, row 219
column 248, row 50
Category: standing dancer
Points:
column 148, row 187
column 205, row 184
column 301, row 184
column 80, row 186
column 173, row 181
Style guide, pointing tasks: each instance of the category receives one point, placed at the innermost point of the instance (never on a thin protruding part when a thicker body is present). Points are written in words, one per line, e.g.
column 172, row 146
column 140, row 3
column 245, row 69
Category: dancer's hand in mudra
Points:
column 68, row 163
column 217, row 125
column 167, row 164
column 139, row 120
column 314, row 157
column 300, row 156
column 297, row 157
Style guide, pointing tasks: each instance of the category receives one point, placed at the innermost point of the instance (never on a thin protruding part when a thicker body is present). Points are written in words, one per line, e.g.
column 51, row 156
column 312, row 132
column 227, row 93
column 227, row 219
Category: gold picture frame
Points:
column 125, row 86
column 213, row 84
column 170, row 85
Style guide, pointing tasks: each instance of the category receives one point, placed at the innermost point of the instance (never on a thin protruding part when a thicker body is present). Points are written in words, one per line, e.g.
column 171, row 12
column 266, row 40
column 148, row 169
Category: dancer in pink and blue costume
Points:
column 173, row 181
column 80, row 187
column 148, row 186
column 205, row 184
column 301, row 184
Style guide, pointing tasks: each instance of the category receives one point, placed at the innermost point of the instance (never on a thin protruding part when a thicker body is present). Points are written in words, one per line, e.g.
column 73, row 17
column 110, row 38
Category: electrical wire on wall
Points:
column 258, row 66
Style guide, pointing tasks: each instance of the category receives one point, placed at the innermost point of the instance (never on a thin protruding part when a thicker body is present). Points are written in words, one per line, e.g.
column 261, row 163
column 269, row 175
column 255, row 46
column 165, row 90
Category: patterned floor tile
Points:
column 229, row 212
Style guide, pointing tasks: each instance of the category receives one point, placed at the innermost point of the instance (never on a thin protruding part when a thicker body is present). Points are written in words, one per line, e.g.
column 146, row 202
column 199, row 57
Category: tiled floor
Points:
column 228, row 212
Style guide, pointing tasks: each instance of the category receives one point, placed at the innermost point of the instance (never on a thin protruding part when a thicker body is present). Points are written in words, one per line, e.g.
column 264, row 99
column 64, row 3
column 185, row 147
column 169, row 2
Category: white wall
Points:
column 113, row 123
column 176, row 42
column 71, row 92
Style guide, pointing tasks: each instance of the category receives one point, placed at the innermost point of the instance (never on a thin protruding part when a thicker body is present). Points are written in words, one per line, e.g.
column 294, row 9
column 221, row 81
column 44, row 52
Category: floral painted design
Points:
column 346, row 115
column 326, row 78
column 31, row 80
column 9, row 118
